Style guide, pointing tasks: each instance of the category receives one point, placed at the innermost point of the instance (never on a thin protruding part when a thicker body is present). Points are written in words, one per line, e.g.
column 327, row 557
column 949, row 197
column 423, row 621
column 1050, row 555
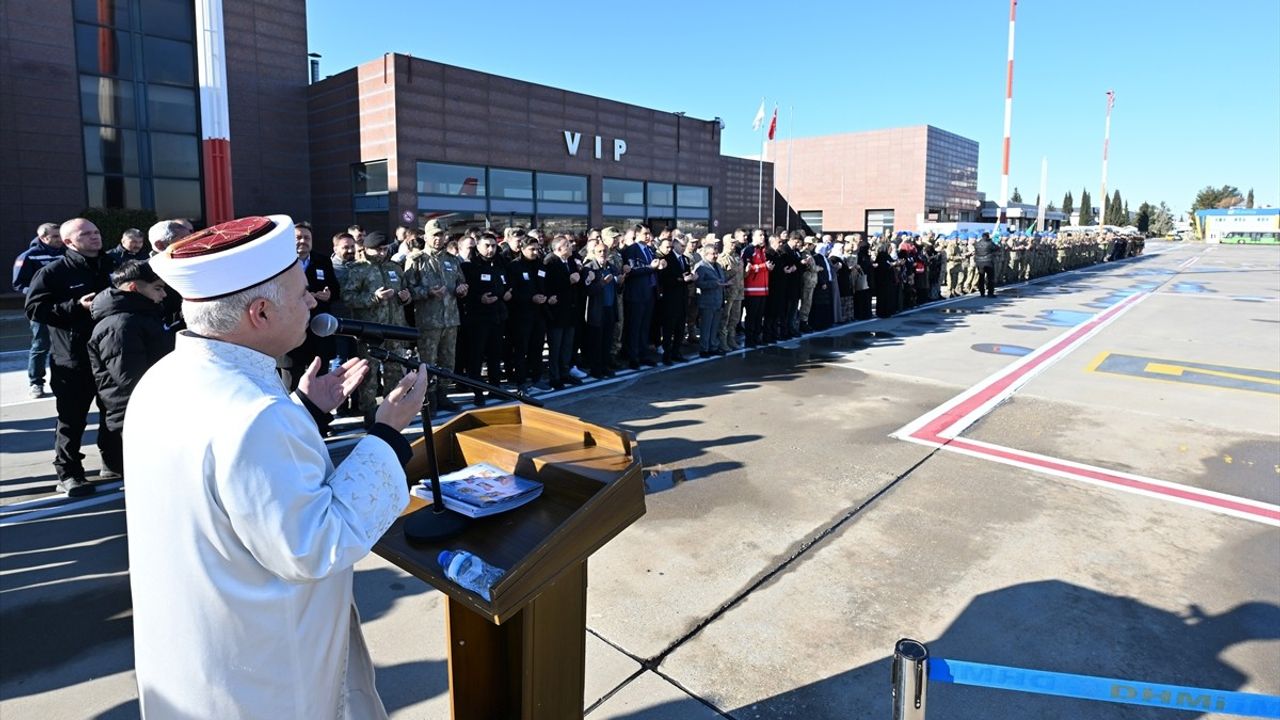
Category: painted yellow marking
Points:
column 1178, row 370
column 1226, row 459
column 1093, row 365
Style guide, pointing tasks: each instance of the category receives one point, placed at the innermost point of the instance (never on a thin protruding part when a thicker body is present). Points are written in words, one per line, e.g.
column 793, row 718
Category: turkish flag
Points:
column 773, row 124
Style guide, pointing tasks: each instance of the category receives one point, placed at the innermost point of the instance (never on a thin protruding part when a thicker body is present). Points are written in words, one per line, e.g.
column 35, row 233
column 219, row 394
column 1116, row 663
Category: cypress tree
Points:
column 1067, row 205
column 1086, row 208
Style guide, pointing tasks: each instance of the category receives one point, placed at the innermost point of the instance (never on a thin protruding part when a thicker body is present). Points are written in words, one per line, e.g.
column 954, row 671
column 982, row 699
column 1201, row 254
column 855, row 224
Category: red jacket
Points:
column 755, row 272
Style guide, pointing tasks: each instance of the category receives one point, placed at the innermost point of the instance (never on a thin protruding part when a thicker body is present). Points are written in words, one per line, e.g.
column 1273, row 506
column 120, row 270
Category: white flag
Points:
column 759, row 121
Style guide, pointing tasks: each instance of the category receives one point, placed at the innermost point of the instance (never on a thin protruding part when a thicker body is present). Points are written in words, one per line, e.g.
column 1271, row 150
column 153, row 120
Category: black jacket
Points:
column 671, row 283
column 568, row 308
column 29, row 262
column 484, row 276
column 527, row 278
column 54, row 299
column 129, row 338
column 985, row 253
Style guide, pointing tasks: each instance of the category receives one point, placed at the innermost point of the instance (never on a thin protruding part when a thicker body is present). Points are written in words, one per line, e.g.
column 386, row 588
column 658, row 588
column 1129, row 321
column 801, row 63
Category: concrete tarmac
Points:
column 790, row 541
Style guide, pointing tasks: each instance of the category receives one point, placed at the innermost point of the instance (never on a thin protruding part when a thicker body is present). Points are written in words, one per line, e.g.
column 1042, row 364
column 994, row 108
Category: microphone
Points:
column 324, row 325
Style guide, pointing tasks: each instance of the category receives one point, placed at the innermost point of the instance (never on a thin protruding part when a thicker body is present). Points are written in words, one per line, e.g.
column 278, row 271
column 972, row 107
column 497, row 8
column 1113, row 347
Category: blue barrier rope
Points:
column 1088, row 687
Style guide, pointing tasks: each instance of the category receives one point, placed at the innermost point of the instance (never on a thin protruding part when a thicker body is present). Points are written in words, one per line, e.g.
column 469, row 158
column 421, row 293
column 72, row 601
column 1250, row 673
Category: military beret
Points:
column 374, row 240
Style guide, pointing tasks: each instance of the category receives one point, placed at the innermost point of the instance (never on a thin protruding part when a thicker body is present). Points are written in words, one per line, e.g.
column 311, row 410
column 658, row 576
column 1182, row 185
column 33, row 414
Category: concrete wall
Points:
column 267, row 76
column 41, row 145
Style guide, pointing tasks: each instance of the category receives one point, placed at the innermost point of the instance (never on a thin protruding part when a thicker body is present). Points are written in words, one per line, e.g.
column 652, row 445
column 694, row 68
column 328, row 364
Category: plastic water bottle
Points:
column 470, row 571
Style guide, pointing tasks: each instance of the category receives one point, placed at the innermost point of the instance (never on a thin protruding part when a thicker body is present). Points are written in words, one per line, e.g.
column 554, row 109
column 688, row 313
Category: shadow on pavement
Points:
column 1048, row 625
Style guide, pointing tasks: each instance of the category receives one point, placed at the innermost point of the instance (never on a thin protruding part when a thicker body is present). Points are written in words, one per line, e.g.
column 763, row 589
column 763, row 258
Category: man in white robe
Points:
column 242, row 534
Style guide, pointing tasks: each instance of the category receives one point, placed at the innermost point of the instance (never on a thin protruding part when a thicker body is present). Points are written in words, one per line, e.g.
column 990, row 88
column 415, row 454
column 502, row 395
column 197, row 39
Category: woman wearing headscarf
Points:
column 884, row 276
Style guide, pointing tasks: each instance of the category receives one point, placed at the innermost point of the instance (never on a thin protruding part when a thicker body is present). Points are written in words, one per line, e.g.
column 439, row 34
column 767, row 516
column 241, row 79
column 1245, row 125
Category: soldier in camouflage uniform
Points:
column 970, row 282
column 435, row 281
column 731, row 262
column 375, row 292
column 1017, row 259
column 808, row 281
column 955, row 266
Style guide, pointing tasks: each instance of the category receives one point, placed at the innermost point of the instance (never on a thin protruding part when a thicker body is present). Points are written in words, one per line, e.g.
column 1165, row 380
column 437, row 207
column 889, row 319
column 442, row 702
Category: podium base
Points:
column 429, row 524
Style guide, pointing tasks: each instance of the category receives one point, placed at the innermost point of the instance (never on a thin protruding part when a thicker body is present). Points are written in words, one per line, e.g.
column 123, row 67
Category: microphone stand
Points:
column 437, row 522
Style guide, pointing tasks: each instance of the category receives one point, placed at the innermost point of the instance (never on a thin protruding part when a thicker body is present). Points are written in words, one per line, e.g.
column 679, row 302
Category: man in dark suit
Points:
column 640, row 293
column 322, row 282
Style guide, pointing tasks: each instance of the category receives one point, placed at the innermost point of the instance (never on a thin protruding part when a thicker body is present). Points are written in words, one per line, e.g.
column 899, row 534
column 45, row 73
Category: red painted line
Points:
column 953, row 415
column 1103, row 476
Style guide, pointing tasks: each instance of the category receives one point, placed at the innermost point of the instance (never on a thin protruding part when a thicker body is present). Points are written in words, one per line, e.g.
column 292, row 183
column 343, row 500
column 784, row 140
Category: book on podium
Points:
column 522, row 653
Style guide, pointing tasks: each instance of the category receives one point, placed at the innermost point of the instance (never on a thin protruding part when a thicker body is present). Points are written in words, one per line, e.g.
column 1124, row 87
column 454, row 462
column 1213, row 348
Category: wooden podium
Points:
column 523, row 654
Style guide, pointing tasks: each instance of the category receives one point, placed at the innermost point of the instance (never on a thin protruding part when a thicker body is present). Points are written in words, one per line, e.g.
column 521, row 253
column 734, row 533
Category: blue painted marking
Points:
column 1062, row 318
column 1090, row 687
column 1036, row 328
column 1002, row 349
column 1191, row 287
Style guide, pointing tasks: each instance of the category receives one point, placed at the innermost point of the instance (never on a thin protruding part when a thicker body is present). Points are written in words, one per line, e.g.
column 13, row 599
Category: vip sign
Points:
column 573, row 140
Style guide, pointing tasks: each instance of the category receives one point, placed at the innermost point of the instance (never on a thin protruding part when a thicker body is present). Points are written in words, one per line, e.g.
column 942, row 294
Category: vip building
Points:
column 399, row 140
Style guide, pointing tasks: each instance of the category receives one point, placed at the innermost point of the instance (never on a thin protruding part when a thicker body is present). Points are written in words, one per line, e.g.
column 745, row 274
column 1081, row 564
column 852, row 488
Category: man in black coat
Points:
column 564, row 310
column 527, row 323
column 488, row 293
column 129, row 338
column 322, row 283
column 61, row 296
column 674, row 277
column 985, row 254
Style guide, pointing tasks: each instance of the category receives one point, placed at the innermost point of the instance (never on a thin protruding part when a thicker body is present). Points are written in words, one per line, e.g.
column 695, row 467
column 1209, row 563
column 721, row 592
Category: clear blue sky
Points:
column 1197, row 86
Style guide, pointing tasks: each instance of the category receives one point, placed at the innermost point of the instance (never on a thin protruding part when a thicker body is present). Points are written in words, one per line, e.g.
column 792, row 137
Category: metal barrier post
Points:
column 910, row 679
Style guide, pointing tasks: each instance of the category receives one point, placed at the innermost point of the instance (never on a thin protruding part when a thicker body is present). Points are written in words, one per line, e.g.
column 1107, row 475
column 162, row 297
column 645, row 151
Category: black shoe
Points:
column 74, row 487
column 704, row 354
column 667, row 361
column 680, row 358
column 479, row 400
column 557, row 385
column 718, row 353
column 633, row 365
column 572, row 380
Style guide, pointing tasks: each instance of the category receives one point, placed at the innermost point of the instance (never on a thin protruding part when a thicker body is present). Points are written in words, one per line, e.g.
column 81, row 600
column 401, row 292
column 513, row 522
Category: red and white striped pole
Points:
column 1106, row 140
column 1008, row 120
column 215, row 127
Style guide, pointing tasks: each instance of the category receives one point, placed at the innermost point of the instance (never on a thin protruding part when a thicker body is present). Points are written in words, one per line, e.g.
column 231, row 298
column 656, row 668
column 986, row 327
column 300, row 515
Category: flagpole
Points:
column 1106, row 140
column 1008, row 121
column 790, row 145
column 760, row 184
column 773, row 196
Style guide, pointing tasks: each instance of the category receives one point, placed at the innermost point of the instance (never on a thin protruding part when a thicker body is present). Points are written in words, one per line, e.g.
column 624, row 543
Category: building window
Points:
column 812, row 218
column 623, row 198
column 880, row 222
column 369, row 178
column 444, row 179
column 138, row 105
column 562, row 195
column 510, row 184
